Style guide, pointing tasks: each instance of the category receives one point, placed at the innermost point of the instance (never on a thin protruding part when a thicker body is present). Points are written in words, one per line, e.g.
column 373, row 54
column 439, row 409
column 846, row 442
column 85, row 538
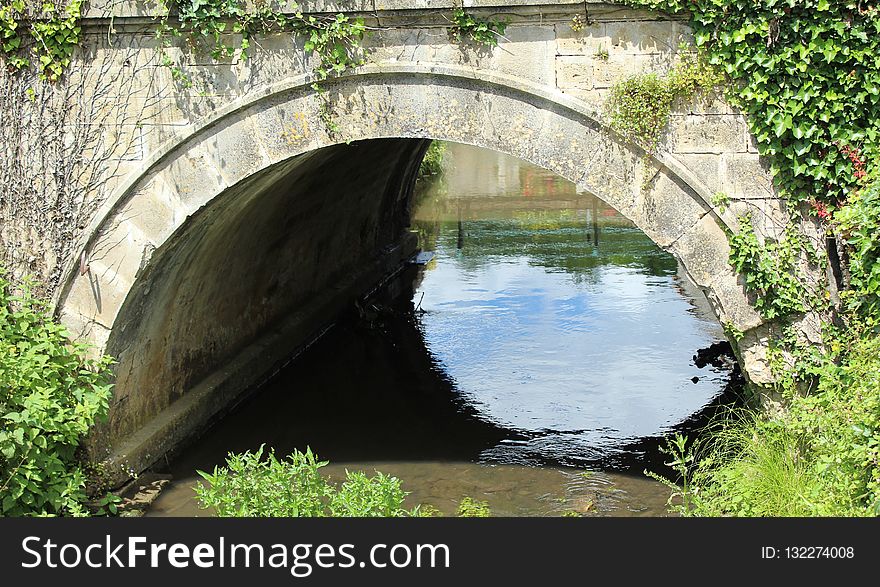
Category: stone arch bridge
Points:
column 239, row 224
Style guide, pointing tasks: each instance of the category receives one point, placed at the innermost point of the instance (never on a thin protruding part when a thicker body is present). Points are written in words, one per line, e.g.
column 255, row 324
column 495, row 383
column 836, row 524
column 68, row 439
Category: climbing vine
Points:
column 807, row 75
column 224, row 27
column 769, row 269
column 466, row 26
column 41, row 33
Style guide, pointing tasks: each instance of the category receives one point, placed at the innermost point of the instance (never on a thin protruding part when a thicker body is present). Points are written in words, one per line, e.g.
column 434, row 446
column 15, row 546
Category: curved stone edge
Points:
column 104, row 214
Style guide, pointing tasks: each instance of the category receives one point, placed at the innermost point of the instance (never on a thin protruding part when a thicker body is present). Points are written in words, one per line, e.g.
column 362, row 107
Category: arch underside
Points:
column 262, row 217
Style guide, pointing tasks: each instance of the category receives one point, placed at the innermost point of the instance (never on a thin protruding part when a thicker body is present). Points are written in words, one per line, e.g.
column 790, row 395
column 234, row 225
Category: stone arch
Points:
column 197, row 180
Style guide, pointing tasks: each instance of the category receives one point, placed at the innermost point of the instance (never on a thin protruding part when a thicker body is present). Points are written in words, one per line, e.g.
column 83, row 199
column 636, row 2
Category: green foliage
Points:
column 466, row 26
column 732, row 332
column 253, row 486
column 472, row 508
column 842, row 423
column 692, row 75
column 108, row 505
column 432, row 162
column 819, row 458
column 363, row 496
column 682, row 460
column 44, row 33
column 50, row 396
column 334, row 40
column 806, row 74
column 758, row 466
column 720, row 201
column 211, row 19
column 639, row 106
column 859, row 223
column 769, row 269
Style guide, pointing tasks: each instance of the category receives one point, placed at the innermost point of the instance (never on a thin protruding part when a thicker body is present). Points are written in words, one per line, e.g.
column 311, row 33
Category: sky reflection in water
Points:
column 584, row 346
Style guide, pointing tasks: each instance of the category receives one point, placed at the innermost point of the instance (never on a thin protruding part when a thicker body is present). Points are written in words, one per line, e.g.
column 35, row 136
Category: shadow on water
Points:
column 376, row 391
column 380, row 400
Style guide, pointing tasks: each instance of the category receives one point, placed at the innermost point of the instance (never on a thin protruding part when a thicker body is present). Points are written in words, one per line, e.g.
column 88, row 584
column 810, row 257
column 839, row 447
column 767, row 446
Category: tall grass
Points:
column 820, row 457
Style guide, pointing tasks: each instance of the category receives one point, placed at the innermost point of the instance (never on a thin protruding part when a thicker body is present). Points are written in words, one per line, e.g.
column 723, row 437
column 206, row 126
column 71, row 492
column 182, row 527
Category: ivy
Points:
column 769, row 269
column 859, row 223
column 213, row 24
column 480, row 31
column 807, row 75
column 41, row 33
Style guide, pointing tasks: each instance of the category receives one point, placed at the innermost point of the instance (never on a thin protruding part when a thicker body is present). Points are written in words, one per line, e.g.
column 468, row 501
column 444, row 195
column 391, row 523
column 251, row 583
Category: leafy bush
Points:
column 842, row 424
column 50, row 396
column 639, row 106
column 253, row 486
column 362, row 496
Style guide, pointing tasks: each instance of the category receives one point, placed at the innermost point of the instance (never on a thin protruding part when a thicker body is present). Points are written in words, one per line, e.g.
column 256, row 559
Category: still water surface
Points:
column 535, row 363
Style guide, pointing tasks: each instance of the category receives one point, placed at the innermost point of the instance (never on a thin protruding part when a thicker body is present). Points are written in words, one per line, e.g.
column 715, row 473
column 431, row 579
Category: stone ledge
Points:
column 103, row 10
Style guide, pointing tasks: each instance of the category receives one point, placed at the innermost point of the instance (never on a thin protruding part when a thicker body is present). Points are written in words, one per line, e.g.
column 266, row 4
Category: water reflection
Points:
column 554, row 315
column 547, row 337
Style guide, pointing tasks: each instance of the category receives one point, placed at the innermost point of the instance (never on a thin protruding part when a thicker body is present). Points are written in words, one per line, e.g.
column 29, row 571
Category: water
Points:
column 545, row 351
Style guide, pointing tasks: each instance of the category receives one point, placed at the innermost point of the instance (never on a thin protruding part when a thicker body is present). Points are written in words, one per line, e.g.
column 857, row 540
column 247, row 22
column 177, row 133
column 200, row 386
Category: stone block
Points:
column 528, row 53
column 96, row 296
column 704, row 251
column 617, row 67
column 575, row 72
column 666, row 210
column 706, row 167
column 644, row 36
column 753, row 353
column 155, row 210
column 195, row 177
column 746, row 176
column 696, row 133
column 587, row 42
